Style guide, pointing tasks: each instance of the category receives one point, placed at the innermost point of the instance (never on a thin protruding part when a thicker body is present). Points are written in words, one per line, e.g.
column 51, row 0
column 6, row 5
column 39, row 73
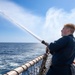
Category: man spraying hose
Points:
column 63, row 51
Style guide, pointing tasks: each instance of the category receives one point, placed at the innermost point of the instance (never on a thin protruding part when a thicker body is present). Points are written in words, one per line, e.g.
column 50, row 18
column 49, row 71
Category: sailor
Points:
column 63, row 51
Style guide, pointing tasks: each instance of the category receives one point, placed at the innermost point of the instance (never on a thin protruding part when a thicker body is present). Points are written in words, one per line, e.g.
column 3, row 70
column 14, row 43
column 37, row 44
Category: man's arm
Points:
column 59, row 44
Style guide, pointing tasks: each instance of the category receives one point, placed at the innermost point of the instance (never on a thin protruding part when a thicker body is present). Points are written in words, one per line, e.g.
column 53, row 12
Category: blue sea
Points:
column 13, row 55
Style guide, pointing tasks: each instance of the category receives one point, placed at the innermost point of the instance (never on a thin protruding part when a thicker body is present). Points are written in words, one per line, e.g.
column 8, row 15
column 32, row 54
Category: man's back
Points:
column 64, row 51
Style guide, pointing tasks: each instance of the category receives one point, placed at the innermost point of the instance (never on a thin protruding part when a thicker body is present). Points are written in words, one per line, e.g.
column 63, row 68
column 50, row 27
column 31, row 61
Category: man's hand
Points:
column 47, row 50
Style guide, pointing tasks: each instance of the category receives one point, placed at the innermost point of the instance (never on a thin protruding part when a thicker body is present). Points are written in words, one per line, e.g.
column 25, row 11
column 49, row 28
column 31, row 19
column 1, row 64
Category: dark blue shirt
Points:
column 63, row 50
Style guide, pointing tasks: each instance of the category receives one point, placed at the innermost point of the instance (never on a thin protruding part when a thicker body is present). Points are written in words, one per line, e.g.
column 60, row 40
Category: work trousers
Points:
column 59, row 70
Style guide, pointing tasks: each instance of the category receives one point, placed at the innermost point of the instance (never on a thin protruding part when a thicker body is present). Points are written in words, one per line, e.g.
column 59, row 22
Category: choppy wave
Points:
column 13, row 55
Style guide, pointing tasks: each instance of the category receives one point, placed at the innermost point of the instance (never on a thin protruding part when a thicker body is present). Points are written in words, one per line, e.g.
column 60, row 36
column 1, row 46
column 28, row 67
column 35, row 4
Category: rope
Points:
column 43, row 68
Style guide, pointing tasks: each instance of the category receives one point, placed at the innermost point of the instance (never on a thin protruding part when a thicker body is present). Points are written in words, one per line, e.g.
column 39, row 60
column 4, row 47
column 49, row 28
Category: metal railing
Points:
column 30, row 68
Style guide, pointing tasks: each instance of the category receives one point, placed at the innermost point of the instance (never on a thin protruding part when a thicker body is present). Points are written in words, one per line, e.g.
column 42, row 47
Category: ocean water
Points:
column 13, row 55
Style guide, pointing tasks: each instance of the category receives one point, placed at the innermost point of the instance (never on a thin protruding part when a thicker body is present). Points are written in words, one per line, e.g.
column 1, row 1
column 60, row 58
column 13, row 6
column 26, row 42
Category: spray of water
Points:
column 19, row 25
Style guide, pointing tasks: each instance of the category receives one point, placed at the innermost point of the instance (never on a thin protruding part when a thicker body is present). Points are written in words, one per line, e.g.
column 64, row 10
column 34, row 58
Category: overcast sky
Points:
column 45, row 18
